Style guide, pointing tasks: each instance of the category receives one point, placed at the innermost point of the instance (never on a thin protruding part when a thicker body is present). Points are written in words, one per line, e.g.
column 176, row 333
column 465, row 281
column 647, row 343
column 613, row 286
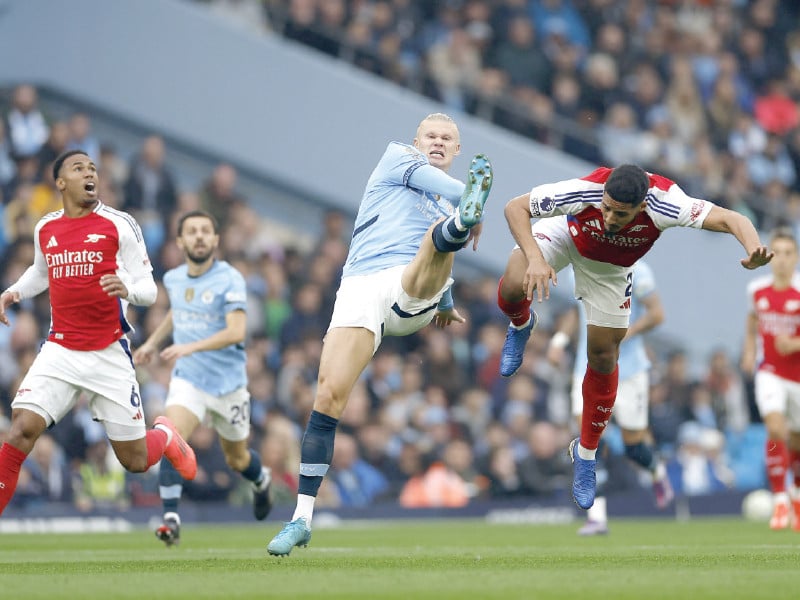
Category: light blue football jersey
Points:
column 199, row 306
column 632, row 354
column 404, row 196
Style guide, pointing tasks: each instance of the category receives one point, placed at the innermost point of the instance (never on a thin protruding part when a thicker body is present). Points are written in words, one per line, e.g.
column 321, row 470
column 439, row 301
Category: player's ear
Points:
column 416, row 143
column 458, row 149
column 643, row 205
column 60, row 184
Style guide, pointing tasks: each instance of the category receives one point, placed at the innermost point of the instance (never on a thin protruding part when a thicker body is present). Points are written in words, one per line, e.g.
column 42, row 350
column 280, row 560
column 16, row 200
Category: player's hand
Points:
column 556, row 355
column 443, row 318
column 6, row 300
column 538, row 277
column 143, row 354
column 758, row 258
column 784, row 344
column 474, row 234
column 176, row 351
column 113, row 286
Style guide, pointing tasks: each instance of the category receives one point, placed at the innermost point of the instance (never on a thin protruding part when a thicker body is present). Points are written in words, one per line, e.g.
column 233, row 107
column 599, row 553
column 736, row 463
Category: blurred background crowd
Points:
column 703, row 91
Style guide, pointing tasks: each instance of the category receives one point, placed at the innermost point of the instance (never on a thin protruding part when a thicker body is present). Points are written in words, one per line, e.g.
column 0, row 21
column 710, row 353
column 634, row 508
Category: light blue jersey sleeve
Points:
column 199, row 309
column 632, row 353
column 403, row 197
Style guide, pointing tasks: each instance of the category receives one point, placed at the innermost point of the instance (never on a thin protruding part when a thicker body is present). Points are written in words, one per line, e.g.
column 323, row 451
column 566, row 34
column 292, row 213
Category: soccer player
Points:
column 396, row 280
column 773, row 334
column 207, row 321
column 601, row 224
column 93, row 260
column 631, row 405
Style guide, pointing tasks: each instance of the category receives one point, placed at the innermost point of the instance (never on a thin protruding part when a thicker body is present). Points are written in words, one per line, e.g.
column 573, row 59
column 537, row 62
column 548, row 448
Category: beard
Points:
column 199, row 256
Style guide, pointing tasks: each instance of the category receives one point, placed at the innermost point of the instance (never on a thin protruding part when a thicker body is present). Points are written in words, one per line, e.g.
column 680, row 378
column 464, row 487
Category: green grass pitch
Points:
column 464, row 560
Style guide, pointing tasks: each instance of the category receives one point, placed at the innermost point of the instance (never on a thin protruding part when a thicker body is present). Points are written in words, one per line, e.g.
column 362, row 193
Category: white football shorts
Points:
column 776, row 394
column 229, row 414
column 59, row 375
column 378, row 302
column 604, row 289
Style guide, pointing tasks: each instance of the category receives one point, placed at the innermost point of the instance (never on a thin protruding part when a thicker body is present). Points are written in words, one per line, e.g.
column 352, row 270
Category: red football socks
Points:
column 519, row 312
column 777, row 464
column 794, row 465
column 599, row 394
column 156, row 442
column 11, row 460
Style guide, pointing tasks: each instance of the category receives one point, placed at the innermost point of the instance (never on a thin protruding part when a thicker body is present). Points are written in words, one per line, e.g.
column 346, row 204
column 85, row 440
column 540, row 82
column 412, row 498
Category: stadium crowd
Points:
column 432, row 422
column 702, row 91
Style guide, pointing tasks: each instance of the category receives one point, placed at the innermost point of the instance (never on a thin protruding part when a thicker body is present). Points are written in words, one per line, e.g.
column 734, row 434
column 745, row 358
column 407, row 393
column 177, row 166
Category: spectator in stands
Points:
column 100, row 481
column 698, row 467
column 549, row 15
column 306, row 319
column 621, row 140
column 773, row 163
column 726, row 387
column 503, row 475
column 520, row 57
column 80, row 136
column 357, row 482
column 27, row 127
column 455, row 66
column 545, row 469
column 218, row 195
column 56, row 143
column 437, row 486
column 7, row 166
column 150, row 192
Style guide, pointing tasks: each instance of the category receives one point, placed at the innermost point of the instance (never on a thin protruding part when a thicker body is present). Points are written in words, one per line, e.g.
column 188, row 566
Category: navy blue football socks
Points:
column 316, row 452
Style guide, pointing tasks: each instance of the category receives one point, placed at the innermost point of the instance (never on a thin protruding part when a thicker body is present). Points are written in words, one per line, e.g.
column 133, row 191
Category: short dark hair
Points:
column 783, row 232
column 59, row 161
column 628, row 184
column 197, row 213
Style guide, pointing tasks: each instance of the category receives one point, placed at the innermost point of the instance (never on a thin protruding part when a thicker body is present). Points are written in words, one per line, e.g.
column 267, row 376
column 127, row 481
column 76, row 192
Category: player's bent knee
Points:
column 134, row 464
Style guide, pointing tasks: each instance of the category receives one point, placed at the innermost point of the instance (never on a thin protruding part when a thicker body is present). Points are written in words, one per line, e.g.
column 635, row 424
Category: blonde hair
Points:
column 439, row 117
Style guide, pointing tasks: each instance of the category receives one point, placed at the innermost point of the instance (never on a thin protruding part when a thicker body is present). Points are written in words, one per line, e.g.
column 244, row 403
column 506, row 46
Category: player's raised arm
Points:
column 724, row 220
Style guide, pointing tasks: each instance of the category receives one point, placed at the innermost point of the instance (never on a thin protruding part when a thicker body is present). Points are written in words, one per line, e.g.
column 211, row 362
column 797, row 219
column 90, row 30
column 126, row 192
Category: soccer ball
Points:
column 757, row 506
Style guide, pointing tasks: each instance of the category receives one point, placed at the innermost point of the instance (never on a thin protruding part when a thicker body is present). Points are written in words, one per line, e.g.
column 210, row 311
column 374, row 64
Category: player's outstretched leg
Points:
column 662, row 487
column 178, row 452
column 262, row 501
column 169, row 531
column 514, row 346
column 479, row 182
column 584, row 481
column 294, row 533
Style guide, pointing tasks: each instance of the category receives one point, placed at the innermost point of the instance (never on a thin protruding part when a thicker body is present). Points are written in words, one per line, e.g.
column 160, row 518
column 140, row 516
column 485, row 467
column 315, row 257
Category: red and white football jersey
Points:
column 778, row 313
column 667, row 206
column 74, row 254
